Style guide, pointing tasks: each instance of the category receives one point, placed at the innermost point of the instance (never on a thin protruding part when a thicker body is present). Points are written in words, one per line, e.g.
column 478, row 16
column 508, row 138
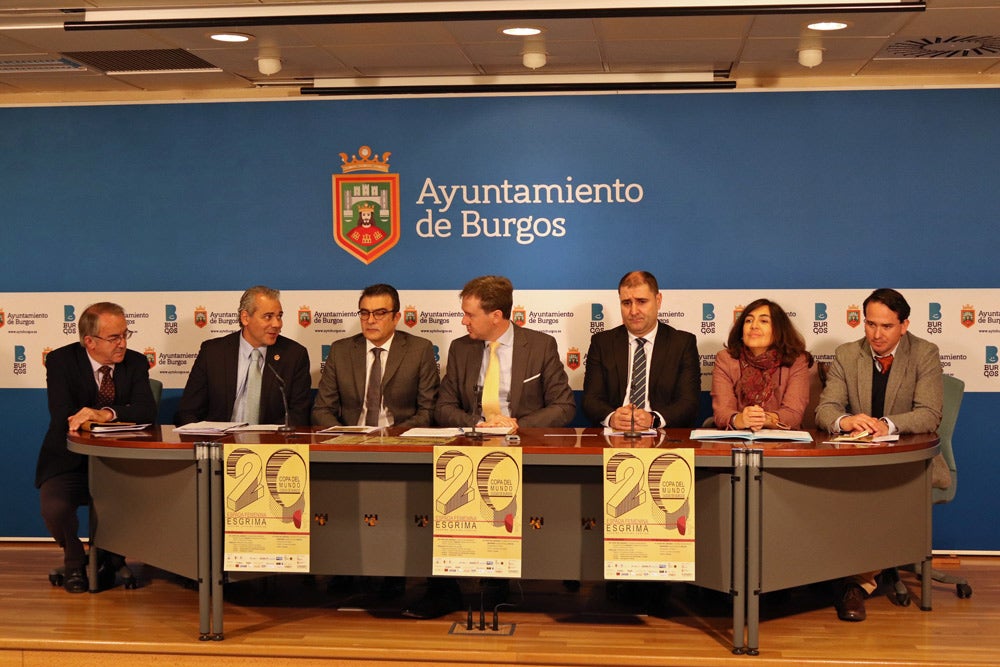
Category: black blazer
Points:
column 211, row 386
column 71, row 386
column 674, row 375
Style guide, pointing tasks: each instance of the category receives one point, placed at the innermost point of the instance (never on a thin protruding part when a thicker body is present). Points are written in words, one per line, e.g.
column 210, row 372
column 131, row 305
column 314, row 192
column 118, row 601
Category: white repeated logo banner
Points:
column 170, row 326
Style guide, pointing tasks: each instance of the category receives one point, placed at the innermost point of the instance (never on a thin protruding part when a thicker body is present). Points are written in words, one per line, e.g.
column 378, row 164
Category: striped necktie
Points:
column 637, row 394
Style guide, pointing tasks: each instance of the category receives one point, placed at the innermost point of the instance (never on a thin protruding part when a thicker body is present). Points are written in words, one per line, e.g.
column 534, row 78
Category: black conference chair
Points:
column 106, row 565
column 945, row 483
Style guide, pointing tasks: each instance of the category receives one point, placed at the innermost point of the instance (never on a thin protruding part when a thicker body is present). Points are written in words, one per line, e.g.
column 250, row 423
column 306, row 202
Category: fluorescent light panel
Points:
column 517, row 79
column 552, row 84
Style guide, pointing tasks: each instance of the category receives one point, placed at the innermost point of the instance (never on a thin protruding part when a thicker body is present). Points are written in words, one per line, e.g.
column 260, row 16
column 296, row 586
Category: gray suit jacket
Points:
column 913, row 395
column 539, row 389
column 409, row 382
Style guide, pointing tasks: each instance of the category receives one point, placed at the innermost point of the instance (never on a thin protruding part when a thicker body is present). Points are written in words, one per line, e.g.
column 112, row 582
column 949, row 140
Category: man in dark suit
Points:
column 501, row 375
column 887, row 382
column 533, row 389
column 664, row 382
column 408, row 374
column 249, row 362
column 97, row 380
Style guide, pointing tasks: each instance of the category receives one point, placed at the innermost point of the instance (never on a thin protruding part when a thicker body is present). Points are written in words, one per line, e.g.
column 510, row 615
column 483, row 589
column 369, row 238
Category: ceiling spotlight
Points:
column 231, row 37
column 521, row 32
column 827, row 25
column 810, row 57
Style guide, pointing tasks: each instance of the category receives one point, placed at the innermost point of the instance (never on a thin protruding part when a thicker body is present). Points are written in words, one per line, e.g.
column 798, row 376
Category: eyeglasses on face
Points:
column 379, row 314
column 117, row 338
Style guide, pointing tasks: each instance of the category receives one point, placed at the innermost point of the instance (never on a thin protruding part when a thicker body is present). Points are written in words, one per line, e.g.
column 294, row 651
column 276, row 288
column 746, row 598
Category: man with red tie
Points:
column 98, row 379
column 885, row 383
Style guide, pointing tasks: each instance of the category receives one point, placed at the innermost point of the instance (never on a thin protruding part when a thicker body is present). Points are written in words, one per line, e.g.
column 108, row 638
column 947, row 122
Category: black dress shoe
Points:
column 75, row 581
column 851, row 604
column 391, row 587
column 442, row 597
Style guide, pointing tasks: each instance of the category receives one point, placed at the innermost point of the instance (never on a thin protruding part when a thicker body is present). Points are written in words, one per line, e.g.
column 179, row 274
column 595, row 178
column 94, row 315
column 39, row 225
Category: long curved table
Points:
column 158, row 498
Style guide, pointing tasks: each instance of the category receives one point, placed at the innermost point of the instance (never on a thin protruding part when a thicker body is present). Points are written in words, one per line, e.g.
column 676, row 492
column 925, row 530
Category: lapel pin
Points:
column 277, row 357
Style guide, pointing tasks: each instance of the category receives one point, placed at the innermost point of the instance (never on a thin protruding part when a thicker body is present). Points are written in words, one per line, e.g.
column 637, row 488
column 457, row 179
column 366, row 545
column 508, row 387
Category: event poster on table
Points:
column 649, row 525
column 477, row 505
column 266, row 492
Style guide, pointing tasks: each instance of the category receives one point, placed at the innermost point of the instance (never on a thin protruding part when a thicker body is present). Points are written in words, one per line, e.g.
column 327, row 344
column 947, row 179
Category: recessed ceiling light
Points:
column 827, row 25
column 232, row 37
column 521, row 32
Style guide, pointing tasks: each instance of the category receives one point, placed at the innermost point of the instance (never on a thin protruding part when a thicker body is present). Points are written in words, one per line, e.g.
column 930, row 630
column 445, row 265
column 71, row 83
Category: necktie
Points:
column 884, row 363
column 373, row 395
column 491, row 384
column 254, row 376
column 637, row 394
column 106, row 392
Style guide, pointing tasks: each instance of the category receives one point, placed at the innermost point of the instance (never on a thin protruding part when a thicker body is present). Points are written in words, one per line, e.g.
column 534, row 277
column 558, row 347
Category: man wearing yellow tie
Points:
column 501, row 374
column 498, row 375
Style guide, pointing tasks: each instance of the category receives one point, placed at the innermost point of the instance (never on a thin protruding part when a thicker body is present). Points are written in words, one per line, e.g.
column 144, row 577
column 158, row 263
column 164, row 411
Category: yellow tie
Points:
column 491, row 384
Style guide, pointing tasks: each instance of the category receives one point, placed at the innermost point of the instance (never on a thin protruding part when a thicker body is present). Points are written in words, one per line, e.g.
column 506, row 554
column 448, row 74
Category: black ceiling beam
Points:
column 489, row 15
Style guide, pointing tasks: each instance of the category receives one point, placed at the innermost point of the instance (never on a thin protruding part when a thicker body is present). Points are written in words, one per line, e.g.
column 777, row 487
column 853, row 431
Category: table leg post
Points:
column 203, row 468
column 926, row 579
column 92, row 550
column 738, row 579
column 754, row 482
column 926, row 566
column 218, row 533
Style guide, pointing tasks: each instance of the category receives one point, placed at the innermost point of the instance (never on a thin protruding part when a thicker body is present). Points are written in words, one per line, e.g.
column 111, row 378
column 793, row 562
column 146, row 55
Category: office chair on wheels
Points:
column 945, row 482
column 107, row 566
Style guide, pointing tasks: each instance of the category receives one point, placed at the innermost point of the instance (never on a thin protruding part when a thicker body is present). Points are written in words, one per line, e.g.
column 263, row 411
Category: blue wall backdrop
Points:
column 762, row 191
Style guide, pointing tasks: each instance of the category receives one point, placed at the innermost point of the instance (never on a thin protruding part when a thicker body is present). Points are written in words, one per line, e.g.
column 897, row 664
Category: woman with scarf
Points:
column 761, row 379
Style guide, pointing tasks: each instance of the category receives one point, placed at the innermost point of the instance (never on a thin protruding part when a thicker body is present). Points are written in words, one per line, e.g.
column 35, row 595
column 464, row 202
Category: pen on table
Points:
column 570, row 435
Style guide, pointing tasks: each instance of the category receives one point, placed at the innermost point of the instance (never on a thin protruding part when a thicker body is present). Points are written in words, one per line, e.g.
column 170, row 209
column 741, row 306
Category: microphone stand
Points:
column 286, row 428
column 474, row 434
column 631, row 432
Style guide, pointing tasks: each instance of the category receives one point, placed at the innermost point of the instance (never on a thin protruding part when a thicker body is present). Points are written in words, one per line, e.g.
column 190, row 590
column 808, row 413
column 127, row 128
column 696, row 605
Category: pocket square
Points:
column 533, row 377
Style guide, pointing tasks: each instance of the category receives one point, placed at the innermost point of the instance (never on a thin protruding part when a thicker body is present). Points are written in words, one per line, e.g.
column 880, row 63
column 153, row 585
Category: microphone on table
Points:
column 631, row 432
column 474, row 434
column 287, row 428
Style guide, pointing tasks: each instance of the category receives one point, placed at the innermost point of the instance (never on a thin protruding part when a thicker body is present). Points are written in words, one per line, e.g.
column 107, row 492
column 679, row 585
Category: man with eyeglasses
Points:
column 96, row 380
column 239, row 377
column 381, row 376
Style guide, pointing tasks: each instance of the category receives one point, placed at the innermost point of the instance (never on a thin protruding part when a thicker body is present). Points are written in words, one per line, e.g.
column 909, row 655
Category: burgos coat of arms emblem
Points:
column 366, row 205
